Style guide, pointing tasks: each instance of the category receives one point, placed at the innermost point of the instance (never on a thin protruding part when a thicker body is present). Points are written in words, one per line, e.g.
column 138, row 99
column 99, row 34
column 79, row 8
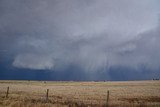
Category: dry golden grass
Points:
column 80, row 94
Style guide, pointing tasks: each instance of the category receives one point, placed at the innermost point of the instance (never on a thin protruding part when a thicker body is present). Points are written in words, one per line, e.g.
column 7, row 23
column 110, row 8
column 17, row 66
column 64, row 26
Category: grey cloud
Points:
column 143, row 50
column 90, row 34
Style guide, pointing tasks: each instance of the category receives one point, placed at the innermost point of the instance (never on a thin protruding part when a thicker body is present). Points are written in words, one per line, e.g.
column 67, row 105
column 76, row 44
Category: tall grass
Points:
column 80, row 94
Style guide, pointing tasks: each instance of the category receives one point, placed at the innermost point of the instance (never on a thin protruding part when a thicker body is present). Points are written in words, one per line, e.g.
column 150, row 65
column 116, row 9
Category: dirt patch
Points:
column 147, row 99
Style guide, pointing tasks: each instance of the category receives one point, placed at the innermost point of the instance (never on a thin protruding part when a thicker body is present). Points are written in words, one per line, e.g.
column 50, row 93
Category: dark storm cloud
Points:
column 87, row 35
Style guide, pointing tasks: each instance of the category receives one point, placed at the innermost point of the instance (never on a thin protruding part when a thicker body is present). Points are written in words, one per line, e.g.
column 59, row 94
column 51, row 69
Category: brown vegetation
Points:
column 80, row 94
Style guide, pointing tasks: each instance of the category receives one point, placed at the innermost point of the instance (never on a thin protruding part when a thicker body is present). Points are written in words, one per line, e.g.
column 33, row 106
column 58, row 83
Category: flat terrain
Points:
column 80, row 94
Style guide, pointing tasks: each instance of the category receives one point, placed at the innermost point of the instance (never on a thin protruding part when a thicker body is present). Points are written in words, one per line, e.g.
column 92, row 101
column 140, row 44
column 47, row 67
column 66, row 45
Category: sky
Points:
column 79, row 39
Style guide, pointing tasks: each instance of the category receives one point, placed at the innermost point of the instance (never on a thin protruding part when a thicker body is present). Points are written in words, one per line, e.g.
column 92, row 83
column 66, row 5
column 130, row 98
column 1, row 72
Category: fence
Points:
column 47, row 96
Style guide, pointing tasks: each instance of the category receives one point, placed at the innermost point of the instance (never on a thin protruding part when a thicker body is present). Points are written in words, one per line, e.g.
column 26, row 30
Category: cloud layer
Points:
column 91, row 35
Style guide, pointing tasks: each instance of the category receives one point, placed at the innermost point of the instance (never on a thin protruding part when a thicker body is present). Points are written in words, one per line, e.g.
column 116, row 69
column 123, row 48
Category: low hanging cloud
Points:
column 32, row 61
column 90, row 34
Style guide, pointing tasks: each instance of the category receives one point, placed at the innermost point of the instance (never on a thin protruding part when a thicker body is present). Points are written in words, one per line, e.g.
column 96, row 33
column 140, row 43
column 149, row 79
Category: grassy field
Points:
column 80, row 94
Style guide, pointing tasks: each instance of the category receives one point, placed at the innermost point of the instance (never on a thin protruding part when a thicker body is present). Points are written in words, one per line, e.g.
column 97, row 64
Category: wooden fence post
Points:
column 47, row 94
column 7, row 92
column 107, row 103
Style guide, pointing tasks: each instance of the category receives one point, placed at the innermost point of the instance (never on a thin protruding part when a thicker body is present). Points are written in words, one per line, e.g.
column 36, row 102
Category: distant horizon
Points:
column 44, row 81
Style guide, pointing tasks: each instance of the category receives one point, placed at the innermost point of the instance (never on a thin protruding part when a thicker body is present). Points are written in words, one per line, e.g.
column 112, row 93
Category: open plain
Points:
column 80, row 94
